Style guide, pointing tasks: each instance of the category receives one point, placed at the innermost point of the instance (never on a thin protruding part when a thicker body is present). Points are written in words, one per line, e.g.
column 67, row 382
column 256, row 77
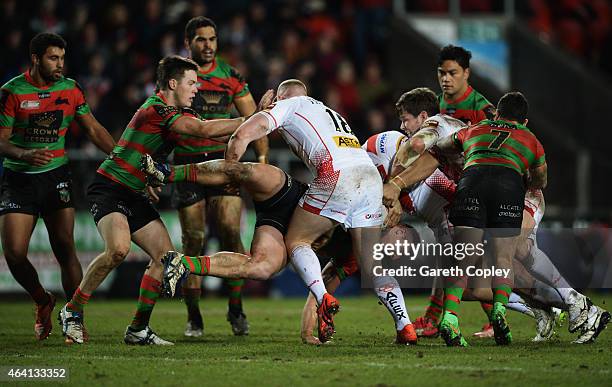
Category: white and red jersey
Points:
column 316, row 134
column 429, row 199
column 442, row 126
column 382, row 148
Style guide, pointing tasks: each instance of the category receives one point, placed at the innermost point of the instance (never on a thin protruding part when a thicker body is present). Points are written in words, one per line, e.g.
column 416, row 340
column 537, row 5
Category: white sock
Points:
column 548, row 295
column 517, row 304
column 390, row 294
column 307, row 266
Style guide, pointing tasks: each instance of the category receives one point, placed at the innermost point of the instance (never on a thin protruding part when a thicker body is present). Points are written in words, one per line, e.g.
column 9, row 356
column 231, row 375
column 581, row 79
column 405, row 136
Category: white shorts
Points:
column 351, row 196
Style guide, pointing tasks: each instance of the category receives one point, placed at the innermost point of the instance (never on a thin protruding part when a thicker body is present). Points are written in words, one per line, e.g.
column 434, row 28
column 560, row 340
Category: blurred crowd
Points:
column 336, row 47
column 581, row 27
column 113, row 47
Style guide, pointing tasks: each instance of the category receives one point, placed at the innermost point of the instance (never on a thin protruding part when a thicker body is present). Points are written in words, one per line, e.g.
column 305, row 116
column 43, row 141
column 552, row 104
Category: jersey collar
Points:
column 211, row 69
column 31, row 81
column 467, row 93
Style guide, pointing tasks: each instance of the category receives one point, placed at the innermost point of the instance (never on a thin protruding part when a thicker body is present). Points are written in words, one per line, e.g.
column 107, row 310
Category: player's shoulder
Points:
column 449, row 121
column 16, row 83
column 385, row 142
column 480, row 100
column 228, row 70
column 157, row 104
column 69, row 83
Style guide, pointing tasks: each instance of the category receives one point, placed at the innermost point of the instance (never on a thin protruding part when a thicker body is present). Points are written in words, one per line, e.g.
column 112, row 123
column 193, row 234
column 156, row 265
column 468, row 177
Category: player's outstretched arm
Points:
column 206, row 128
column 96, row 132
column 253, row 129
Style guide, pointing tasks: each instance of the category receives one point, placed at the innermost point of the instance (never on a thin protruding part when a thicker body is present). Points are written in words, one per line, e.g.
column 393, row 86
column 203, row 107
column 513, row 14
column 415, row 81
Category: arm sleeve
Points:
column 8, row 109
column 459, row 137
column 540, row 156
column 241, row 88
column 166, row 115
column 82, row 107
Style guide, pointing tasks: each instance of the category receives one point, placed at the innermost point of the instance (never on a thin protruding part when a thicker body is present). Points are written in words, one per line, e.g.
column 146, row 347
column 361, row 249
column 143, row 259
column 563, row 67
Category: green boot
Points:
column 449, row 330
column 503, row 336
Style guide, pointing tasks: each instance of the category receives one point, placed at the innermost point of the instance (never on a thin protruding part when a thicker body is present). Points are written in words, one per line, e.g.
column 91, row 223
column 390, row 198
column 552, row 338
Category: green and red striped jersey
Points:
column 500, row 143
column 38, row 117
column 148, row 132
column 217, row 89
column 471, row 107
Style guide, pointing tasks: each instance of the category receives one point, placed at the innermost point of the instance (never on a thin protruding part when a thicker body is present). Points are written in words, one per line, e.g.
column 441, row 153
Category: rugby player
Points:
column 120, row 209
column 220, row 87
column 346, row 190
column 36, row 109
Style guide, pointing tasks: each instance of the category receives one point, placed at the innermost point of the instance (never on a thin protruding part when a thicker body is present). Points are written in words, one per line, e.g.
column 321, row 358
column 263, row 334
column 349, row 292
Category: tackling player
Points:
column 36, row 109
column 120, row 209
column 346, row 190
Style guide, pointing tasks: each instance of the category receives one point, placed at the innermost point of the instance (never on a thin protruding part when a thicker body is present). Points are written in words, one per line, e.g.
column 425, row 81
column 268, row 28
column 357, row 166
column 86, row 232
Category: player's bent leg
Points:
column 153, row 238
column 16, row 231
column 60, row 226
column 193, row 237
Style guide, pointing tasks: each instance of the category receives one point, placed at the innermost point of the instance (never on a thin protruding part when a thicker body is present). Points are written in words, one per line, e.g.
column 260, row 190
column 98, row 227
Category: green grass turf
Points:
column 362, row 353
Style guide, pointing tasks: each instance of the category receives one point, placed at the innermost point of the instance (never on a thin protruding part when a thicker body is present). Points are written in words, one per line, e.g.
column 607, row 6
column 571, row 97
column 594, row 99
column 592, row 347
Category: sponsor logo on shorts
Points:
column 29, row 105
column 510, row 211
column 124, row 209
column 5, row 205
column 378, row 215
column 350, row 142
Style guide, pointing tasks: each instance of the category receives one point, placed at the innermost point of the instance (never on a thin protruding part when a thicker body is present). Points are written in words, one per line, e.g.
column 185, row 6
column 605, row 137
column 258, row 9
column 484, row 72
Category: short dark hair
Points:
column 198, row 22
column 43, row 40
column 513, row 106
column 417, row 100
column 173, row 67
column 456, row 53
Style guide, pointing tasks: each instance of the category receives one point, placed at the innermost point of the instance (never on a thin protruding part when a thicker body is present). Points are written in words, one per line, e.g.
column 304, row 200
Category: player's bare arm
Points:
column 246, row 107
column 253, row 129
column 538, row 177
column 206, row 129
column 36, row 157
column 96, row 132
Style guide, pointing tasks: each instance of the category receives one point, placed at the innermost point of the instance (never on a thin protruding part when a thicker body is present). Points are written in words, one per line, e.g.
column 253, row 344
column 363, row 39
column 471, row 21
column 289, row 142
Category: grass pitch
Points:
column 362, row 353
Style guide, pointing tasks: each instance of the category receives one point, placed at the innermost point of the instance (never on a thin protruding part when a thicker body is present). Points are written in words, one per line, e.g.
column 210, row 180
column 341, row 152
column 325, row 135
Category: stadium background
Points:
column 358, row 57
